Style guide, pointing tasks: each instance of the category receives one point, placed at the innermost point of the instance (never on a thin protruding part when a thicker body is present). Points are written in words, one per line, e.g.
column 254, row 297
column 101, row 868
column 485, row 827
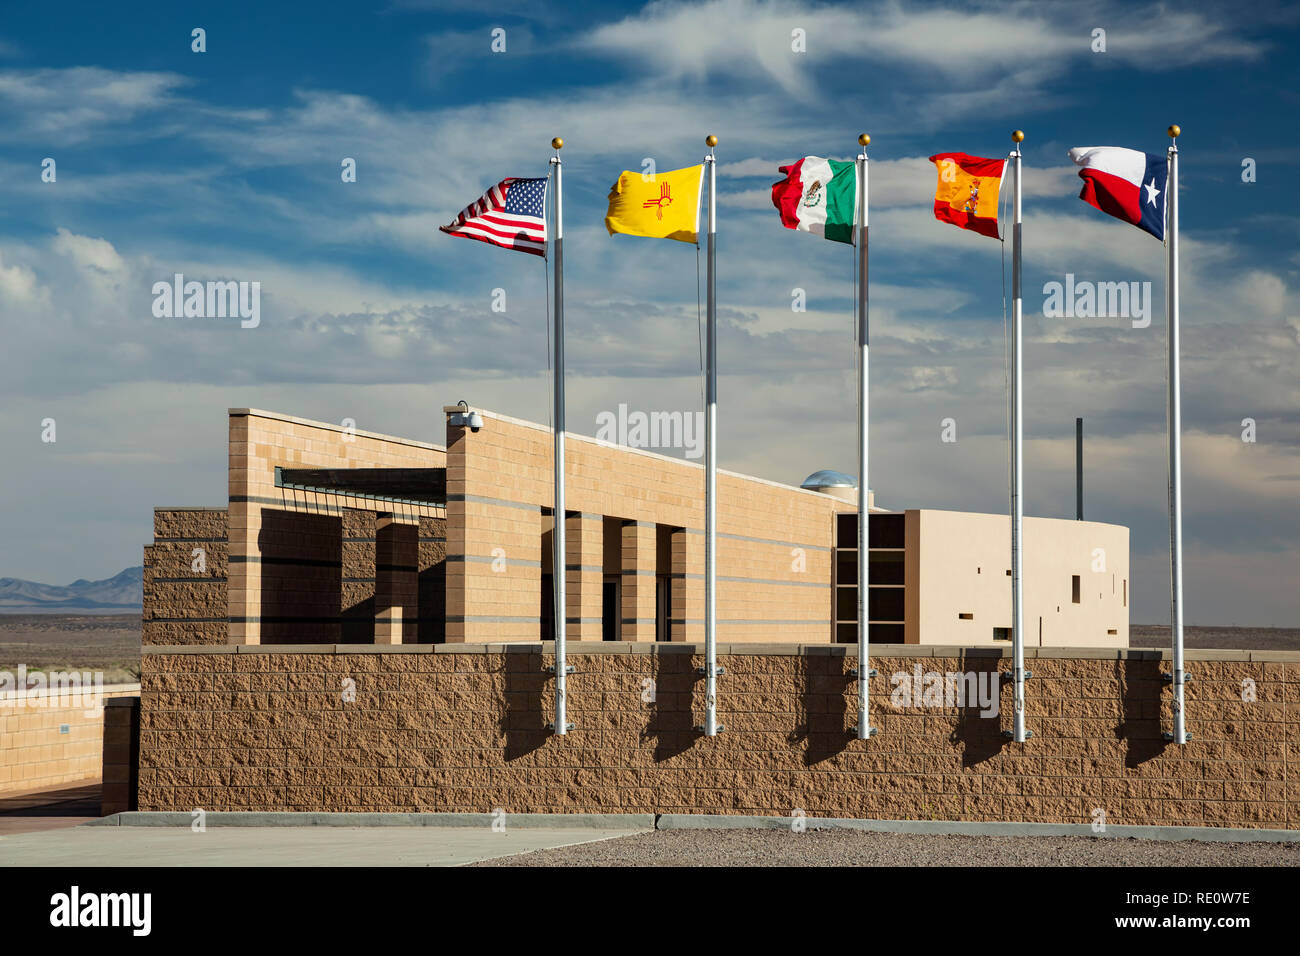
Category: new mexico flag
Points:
column 663, row 206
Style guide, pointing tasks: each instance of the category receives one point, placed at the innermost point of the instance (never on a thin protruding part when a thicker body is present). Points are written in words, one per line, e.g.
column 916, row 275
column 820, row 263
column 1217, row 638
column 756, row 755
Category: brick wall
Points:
column 185, row 578
column 270, row 597
column 397, row 557
column 774, row 541
column 460, row 728
column 431, row 583
column 35, row 753
column 301, row 577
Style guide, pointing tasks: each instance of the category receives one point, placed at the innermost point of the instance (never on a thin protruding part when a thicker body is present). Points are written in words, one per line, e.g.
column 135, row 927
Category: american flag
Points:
column 512, row 214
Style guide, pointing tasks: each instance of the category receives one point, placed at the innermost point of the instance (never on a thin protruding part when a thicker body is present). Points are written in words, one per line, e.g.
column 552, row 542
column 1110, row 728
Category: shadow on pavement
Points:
column 49, row 809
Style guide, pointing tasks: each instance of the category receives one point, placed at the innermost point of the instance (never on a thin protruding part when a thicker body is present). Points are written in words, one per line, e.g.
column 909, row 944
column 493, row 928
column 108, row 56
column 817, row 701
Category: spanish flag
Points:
column 967, row 195
column 661, row 206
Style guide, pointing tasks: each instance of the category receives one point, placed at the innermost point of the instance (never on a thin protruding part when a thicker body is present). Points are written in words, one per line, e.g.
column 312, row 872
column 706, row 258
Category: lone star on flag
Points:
column 1152, row 192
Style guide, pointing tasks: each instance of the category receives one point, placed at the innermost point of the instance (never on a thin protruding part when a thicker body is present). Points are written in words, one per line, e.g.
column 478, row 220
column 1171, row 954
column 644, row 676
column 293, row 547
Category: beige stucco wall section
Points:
column 500, row 478
column 261, row 440
column 962, row 561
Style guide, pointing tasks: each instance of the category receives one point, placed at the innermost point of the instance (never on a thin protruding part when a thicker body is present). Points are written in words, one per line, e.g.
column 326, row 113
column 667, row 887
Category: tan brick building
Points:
column 359, row 630
column 339, row 536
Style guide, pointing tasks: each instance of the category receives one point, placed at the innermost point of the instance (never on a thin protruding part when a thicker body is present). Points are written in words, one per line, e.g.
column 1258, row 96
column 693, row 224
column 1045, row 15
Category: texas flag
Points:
column 1126, row 183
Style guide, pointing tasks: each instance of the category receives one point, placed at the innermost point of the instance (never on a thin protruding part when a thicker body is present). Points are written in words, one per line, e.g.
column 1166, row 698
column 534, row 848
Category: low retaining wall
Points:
column 50, row 738
column 462, row 728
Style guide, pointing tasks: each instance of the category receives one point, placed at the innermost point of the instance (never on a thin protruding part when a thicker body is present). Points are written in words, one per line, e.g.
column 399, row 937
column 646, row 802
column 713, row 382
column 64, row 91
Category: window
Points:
column 663, row 606
column 547, row 619
column 1074, row 588
column 611, row 610
column 1001, row 633
column 965, row 616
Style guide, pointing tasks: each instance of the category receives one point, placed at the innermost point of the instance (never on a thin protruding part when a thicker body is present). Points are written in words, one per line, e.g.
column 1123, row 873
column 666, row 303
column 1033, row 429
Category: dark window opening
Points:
column 663, row 606
column 548, row 607
column 885, row 605
column 885, row 567
column 609, row 611
column 884, row 530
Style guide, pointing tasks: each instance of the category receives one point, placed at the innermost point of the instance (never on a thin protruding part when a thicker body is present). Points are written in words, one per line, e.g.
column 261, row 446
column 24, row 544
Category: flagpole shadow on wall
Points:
column 672, row 724
column 522, row 722
column 979, row 736
column 823, row 705
column 1142, row 685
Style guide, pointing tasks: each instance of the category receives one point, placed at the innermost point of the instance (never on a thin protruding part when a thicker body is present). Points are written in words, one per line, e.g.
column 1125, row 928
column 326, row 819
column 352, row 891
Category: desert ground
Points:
column 60, row 642
column 856, row 848
column 1219, row 638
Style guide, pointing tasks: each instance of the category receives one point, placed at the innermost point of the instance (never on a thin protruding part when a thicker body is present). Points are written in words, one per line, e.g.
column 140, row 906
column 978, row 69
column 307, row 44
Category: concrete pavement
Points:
column 284, row 846
column 68, row 806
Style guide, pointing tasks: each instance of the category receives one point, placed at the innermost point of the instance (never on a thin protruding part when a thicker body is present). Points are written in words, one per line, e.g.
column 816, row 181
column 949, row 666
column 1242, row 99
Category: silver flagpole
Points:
column 711, row 727
column 863, row 730
column 1179, row 735
column 1018, row 734
column 561, row 725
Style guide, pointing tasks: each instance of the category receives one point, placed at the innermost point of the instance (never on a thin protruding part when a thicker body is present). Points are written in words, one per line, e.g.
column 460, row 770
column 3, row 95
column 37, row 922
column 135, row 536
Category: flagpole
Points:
column 1018, row 734
column 558, row 561
column 711, row 727
column 1180, row 735
column 863, row 730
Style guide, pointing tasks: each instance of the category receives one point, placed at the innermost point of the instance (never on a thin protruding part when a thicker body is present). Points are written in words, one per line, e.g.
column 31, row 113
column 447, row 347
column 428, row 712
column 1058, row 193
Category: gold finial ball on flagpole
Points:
column 710, row 141
column 864, row 139
column 1018, row 135
column 558, row 143
column 1174, row 131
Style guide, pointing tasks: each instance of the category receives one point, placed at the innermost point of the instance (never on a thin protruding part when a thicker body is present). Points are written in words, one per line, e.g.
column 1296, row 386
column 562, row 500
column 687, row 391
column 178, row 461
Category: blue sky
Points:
column 225, row 165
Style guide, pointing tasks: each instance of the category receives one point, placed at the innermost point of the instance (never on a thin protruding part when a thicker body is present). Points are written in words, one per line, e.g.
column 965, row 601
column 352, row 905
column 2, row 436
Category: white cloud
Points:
column 63, row 106
column 340, row 338
column 748, row 38
column 87, row 252
column 18, row 283
column 752, row 167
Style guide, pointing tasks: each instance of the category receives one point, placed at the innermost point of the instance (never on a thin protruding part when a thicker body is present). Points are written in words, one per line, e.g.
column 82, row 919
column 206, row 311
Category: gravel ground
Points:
column 1218, row 638
column 861, row 848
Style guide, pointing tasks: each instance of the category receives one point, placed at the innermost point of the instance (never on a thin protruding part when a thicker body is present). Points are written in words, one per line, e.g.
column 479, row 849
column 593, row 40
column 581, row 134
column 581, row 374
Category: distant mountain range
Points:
column 121, row 593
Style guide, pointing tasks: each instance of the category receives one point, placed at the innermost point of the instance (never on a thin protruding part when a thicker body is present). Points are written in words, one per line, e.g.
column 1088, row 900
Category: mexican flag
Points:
column 818, row 195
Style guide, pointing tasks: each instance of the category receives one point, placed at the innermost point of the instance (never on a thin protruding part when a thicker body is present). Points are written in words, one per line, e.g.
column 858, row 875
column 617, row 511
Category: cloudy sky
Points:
column 225, row 164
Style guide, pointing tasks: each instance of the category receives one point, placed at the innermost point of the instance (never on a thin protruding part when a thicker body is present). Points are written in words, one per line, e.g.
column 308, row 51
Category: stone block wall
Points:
column 185, row 578
column 462, row 728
